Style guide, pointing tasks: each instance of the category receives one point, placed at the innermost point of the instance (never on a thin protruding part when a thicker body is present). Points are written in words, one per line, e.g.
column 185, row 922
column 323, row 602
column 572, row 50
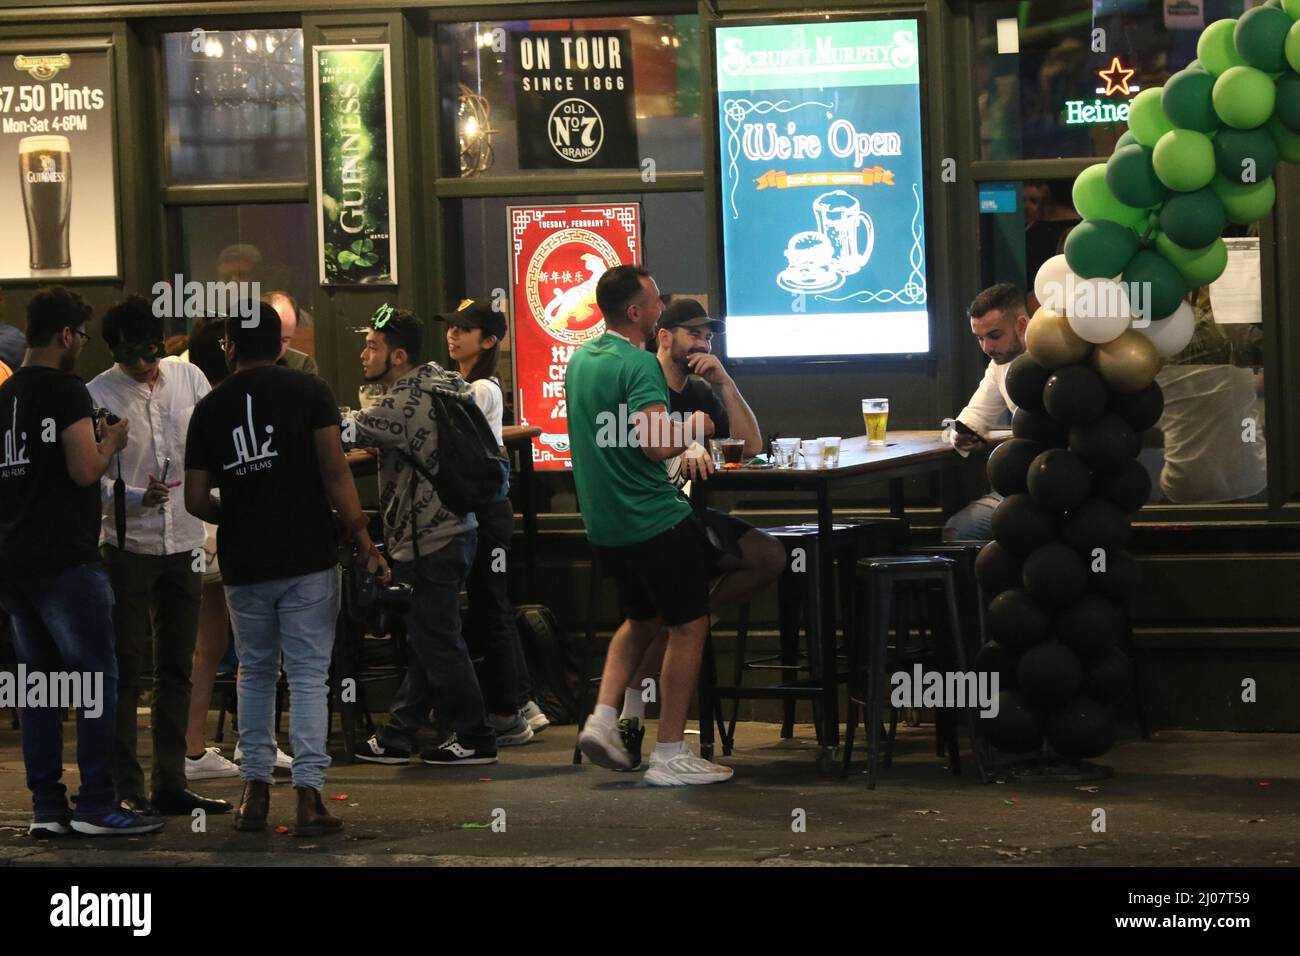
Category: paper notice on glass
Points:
column 1235, row 295
column 1184, row 14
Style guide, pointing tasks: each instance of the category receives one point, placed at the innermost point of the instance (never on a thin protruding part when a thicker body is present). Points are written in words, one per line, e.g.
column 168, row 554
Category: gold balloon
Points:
column 1128, row 363
column 1051, row 341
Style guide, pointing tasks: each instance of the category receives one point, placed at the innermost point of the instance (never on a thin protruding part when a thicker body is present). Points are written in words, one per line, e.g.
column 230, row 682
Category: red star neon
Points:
column 1116, row 77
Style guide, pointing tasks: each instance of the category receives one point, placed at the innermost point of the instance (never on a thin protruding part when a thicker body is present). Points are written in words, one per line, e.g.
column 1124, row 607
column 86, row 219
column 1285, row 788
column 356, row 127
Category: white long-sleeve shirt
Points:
column 989, row 403
column 159, row 418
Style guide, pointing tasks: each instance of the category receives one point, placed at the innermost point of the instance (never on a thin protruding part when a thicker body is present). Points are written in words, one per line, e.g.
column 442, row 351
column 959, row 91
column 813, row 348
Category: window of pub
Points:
column 1208, row 446
column 549, row 95
column 1054, row 78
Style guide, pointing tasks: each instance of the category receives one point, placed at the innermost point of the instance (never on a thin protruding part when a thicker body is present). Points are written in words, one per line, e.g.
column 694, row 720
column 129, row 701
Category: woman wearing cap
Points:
column 474, row 333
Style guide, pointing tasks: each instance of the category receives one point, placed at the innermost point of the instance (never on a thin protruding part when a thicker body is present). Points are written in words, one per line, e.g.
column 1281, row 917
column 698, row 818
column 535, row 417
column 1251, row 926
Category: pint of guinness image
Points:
column 45, row 169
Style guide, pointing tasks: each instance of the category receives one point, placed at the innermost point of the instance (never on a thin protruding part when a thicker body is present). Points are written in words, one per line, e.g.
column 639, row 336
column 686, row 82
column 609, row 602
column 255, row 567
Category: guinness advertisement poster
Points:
column 574, row 99
column 557, row 255
column 354, row 165
column 58, row 197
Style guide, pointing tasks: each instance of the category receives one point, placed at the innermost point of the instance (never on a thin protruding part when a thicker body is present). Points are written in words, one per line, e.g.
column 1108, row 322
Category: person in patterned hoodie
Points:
column 430, row 547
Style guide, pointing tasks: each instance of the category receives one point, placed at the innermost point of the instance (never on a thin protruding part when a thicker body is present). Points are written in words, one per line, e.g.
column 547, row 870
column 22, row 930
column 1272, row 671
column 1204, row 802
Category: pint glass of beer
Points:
column 45, row 178
column 875, row 415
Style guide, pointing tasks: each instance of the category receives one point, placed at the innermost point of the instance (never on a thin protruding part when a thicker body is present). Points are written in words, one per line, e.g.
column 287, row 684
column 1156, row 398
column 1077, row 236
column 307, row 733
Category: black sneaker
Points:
column 50, row 826
column 374, row 751
column 633, row 733
column 118, row 822
column 452, row 752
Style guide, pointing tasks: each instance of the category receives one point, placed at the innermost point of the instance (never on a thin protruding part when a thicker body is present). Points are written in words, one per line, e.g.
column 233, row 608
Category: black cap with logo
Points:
column 687, row 314
column 476, row 314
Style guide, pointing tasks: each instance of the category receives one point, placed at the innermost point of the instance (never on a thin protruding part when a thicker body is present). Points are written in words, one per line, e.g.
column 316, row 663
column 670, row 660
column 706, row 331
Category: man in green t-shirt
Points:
column 620, row 436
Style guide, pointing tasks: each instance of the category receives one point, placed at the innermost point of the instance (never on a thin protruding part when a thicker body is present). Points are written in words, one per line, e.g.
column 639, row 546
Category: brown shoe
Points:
column 253, row 806
column 313, row 818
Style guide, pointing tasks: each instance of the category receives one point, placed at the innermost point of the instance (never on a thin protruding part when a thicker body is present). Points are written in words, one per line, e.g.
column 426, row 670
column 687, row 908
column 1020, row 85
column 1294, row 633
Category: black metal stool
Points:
column 878, row 579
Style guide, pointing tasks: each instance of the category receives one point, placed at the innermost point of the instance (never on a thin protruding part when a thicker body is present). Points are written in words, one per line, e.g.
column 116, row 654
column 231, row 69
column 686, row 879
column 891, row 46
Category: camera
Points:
column 102, row 416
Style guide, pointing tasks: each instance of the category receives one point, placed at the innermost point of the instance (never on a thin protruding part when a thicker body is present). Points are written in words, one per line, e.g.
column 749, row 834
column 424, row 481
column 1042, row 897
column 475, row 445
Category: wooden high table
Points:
column 904, row 455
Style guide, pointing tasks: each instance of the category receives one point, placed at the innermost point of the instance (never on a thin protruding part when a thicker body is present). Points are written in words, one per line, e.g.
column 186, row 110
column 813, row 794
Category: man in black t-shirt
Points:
column 268, row 439
column 52, row 583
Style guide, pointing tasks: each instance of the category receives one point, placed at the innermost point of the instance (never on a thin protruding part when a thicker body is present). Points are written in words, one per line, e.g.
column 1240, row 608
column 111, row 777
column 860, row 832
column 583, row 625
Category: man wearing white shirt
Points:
column 151, row 549
column 998, row 319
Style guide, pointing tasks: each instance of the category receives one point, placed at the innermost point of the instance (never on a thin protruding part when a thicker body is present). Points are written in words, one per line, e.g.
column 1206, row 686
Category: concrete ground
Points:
column 1204, row 799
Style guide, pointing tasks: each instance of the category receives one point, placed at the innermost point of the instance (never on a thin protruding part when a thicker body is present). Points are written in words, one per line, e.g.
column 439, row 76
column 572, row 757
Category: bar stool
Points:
column 880, row 580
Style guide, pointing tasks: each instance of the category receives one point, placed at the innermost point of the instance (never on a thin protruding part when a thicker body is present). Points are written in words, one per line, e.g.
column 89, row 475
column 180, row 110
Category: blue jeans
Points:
column 975, row 521
column 296, row 616
column 440, row 673
column 64, row 622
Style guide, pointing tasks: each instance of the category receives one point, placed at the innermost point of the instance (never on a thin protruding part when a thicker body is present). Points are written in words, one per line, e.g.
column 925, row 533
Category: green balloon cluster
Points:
column 1200, row 152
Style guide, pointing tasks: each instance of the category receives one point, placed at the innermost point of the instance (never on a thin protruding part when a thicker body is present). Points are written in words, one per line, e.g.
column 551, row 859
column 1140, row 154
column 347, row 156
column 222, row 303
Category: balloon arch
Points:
column 1199, row 153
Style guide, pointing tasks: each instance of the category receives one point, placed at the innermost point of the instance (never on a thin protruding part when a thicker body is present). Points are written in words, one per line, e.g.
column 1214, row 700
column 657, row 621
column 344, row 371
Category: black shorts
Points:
column 668, row 576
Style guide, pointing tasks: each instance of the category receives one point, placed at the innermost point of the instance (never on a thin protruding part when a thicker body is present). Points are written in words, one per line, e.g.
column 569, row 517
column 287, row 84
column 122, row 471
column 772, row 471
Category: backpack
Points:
column 554, row 663
column 472, row 472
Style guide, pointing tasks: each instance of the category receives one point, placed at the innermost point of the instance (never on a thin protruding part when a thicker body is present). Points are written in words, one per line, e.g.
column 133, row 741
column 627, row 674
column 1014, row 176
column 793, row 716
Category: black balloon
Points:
column 1081, row 728
column 1018, row 727
column 1009, row 464
column 1016, row 622
column 1109, row 678
column 1075, row 395
column 1105, row 444
column 1128, row 486
column 1097, row 523
column 1059, row 480
column 1091, row 626
column 1140, row 409
column 1025, row 382
column 1055, row 574
column 1040, row 427
column 993, row 658
column 1019, row 525
column 1117, row 578
column 1049, row 674
column 996, row 569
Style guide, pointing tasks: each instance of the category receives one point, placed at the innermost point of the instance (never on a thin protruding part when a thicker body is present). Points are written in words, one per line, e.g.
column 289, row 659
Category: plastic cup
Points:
column 830, row 452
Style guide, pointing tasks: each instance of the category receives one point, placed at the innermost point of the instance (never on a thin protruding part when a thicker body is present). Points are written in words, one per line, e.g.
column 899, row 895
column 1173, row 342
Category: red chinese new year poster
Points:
column 557, row 254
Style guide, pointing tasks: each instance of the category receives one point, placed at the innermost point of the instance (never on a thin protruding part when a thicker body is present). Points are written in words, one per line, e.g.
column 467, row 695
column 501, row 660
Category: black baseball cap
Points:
column 687, row 314
column 476, row 314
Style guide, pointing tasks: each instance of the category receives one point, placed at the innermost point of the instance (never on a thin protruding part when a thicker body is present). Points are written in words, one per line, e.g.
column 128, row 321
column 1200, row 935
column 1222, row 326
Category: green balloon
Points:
column 1288, row 143
column 1260, row 37
column 1094, row 200
column 1244, row 97
column 1188, row 101
column 1198, row 267
column 1125, row 139
column 1160, row 285
column 1099, row 249
column 1245, row 154
column 1193, row 219
column 1146, row 117
column 1216, row 49
column 1293, row 46
column 1292, row 7
column 1184, row 160
column 1195, row 67
column 1132, row 177
column 1287, row 108
column 1245, row 202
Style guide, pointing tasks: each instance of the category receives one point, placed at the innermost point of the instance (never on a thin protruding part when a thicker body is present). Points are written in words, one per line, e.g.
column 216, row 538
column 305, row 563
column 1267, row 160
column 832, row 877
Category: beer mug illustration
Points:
column 45, row 178
column 840, row 219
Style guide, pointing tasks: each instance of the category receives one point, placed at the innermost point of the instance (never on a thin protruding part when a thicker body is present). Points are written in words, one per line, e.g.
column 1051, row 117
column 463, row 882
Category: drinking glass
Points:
column 875, row 415
column 812, row 453
column 830, row 452
column 715, row 449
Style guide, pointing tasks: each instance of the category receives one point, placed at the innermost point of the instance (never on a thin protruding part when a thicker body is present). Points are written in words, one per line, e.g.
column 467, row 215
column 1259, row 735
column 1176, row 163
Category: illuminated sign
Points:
column 1117, row 78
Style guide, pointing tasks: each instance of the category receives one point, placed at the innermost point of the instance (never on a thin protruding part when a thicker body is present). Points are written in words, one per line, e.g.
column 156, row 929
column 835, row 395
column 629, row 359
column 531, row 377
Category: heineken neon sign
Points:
column 1117, row 79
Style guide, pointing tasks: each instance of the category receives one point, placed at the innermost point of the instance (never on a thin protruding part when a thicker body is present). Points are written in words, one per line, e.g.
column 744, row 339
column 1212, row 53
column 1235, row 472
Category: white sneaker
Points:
column 535, row 717
column 602, row 744
column 210, row 766
column 511, row 729
column 682, row 769
column 283, row 762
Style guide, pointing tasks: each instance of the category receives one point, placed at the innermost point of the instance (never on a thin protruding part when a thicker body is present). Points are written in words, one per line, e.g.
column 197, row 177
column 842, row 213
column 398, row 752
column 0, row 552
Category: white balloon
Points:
column 1051, row 283
column 1098, row 310
column 1171, row 334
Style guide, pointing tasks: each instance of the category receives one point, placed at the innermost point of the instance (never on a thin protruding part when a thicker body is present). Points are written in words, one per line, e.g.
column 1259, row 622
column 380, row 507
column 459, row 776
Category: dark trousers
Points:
column 162, row 591
column 63, row 622
column 490, row 624
column 440, row 673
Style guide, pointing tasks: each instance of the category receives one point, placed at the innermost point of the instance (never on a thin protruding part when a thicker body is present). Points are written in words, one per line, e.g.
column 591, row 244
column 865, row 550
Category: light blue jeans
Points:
column 296, row 616
column 975, row 521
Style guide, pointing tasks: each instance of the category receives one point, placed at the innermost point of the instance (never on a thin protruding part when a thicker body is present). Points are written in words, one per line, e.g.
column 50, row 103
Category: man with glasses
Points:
column 150, row 543
column 52, row 583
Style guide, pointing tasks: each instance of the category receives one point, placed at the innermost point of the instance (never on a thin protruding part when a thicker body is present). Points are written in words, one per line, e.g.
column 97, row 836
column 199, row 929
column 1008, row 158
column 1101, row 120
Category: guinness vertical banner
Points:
column 557, row 255
column 354, row 165
column 58, row 195
column 574, row 99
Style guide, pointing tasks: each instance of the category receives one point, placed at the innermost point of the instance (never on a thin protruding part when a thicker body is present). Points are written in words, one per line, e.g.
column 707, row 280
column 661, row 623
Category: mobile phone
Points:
column 964, row 429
